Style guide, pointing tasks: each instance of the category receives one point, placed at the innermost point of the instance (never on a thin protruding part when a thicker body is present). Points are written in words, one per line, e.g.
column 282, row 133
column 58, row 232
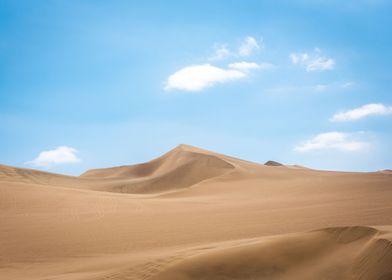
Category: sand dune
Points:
column 176, row 158
column 331, row 253
column 195, row 214
column 182, row 167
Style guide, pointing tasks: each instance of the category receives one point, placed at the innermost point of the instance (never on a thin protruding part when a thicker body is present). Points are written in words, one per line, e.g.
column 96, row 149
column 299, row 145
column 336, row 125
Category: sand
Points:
column 195, row 214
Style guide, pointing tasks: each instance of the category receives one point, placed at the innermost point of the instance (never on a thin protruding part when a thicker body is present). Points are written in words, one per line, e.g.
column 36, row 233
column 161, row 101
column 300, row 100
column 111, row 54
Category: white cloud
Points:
column 245, row 66
column 332, row 141
column 312, row 62
column 198, row 77
column 362, row 112
column 249, row 45
column 60, row 155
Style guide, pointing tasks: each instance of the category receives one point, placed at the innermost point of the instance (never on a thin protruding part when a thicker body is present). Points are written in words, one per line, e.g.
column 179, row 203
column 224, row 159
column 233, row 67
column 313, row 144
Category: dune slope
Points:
column 331, row 253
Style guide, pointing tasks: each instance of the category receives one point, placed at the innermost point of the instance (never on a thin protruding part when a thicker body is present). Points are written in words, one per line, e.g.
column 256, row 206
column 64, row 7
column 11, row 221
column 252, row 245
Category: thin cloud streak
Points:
column 332, row 141
column 362, row 112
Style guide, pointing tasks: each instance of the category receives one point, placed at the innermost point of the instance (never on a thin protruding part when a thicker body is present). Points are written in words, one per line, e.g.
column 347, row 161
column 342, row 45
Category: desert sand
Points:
column 195, row 214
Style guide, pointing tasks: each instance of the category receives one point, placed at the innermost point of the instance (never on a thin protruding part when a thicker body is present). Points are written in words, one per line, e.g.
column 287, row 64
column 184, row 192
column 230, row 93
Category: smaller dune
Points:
column 16, row 174
column 356, row 252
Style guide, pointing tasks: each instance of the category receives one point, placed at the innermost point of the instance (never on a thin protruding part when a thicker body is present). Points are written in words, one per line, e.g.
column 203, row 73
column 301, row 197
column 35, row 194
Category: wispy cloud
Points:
column 362, row 112
column 313, row 62
column 315, row 88
column 294, row 89
column 247, row 47
column 200, row 76
column 332, row 141
column 60, row 155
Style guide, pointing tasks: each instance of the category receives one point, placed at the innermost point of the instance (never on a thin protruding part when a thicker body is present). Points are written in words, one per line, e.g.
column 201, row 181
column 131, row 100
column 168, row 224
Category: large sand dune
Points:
column 195, row 214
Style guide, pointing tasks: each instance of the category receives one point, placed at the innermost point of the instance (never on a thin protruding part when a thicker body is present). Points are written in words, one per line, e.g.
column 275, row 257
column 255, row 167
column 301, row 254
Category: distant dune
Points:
column 195, row 214
column 273, row 163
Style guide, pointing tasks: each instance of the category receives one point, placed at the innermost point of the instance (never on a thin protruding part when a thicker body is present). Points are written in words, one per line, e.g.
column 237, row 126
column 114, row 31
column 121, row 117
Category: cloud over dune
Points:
column 60, row 155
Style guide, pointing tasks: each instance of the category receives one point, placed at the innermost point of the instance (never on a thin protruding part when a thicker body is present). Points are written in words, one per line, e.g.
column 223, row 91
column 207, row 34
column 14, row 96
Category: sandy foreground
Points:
column 195, row 214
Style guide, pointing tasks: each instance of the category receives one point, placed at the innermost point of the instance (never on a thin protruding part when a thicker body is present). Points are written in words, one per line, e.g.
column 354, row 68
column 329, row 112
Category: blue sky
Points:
column 87, row 84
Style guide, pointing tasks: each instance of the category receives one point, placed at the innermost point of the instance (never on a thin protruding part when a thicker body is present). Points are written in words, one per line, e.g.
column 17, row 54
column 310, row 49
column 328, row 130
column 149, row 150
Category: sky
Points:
column 87, row 84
